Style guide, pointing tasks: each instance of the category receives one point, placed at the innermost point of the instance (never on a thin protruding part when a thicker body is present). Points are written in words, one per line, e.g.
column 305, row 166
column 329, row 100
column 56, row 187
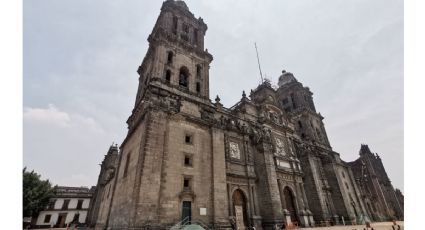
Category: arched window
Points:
column 184, row 77
column 169, row 57
column 168, row 76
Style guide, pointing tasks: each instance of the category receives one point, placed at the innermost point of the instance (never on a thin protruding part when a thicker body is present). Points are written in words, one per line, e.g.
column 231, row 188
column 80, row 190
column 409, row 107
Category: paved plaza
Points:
column 375, row 226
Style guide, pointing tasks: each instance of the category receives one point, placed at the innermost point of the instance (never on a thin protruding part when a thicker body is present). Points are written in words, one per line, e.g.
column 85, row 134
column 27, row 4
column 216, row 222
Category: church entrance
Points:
column 290, row 204
column 239, row 204
column 187, row 211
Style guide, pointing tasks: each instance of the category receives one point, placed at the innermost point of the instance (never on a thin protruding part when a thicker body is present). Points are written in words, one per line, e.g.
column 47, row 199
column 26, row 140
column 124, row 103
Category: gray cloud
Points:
column 82, row 57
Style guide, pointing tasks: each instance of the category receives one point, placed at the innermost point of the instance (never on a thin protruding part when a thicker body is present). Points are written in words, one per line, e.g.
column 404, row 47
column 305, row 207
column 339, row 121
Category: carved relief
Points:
column 280, row 147
column 291, row 149
column 234, row 150
column 109, row 174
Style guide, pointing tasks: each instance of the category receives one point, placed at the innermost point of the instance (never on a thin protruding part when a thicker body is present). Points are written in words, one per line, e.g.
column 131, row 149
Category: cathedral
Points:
column 264, row 162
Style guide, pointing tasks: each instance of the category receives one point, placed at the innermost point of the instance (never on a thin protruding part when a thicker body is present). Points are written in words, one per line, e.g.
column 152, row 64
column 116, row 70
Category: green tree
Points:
column 36, row 193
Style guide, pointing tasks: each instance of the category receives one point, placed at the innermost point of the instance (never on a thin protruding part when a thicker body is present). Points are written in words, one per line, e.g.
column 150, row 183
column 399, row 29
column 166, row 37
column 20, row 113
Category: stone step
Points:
column 193, row 227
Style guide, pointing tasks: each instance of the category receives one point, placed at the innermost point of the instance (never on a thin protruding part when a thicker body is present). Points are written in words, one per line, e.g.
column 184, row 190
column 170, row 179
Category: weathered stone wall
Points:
column 123, row 201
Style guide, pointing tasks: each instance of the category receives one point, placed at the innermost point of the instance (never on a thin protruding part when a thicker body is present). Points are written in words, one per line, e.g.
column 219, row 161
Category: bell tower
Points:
column 176, row 60
column 297, row 101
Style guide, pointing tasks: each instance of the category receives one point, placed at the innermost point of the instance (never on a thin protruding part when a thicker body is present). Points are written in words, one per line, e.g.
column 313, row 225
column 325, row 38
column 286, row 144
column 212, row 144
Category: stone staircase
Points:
column 187, row 224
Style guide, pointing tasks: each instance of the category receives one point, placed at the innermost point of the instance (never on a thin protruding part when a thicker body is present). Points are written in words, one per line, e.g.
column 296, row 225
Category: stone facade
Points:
column 100, row 205
column 265, row 161
column 381, row 200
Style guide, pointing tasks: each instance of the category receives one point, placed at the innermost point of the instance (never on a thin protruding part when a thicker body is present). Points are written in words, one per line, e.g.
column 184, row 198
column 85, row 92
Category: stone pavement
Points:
column 375, row 226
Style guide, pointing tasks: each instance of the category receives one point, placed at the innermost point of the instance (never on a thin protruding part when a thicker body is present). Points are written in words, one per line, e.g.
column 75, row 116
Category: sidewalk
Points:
column 376, row 226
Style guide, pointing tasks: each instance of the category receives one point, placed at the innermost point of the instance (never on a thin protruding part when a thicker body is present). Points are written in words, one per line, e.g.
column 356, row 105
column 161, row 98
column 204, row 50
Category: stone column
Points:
column 310, row 218
column 268, row 189
column 218, row 165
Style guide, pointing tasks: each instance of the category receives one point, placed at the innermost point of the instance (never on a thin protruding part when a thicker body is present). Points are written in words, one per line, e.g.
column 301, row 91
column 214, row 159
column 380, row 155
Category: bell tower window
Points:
column 168, row 76
column 170, row 57
column 175, row 23
column 198, row 71
column 184, row 77
column 198, row 87
column 195, row 36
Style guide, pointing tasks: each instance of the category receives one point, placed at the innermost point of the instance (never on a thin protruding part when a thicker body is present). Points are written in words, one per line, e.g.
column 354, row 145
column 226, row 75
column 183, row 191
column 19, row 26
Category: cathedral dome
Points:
column 286, row 78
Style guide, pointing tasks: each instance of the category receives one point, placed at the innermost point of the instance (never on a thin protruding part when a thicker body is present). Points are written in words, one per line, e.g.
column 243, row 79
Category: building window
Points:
column 175, row 24
column 188, row 161
column 170, row 57
column 168, row 76
column 187, row 183
column 300, row 125
column 293, row 101
column 195, row 36
column 127, row 162
column 184, row 77
column 65, row 204
column 186, row 28
column 80, row 204
column 343, row 174
column 198, row 87
column 47, row 218
column 51, row 204
column 76, row 217
column 188, row 139
column 346, row 185
column 185, row 34
column 198, row 71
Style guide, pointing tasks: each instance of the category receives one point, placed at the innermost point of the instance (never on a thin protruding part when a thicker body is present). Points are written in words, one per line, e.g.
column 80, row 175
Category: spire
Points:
column 364, row 149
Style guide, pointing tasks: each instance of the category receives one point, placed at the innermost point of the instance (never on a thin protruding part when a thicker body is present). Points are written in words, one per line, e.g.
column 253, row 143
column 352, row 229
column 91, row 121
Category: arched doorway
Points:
column 290, row 203
column 239, row 208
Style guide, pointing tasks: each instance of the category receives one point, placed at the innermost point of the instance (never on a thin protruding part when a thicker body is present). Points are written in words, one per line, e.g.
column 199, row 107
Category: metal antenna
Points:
column 259, row 66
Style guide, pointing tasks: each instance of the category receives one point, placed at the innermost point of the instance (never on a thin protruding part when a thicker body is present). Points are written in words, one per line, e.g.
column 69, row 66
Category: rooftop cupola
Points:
column 285, row 78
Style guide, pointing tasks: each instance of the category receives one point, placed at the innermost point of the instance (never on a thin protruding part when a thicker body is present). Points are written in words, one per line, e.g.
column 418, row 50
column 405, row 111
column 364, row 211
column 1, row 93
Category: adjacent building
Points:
column 69, row 205
column 265, row 161
column 379, row 196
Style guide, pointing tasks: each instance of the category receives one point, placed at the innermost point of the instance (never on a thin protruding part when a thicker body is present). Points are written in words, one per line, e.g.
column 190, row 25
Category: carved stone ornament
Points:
column 109, row 174
column 234, row 150
column 280, row 147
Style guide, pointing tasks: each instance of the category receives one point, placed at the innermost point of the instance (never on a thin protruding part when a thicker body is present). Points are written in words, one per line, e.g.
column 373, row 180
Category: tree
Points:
column 36, row 193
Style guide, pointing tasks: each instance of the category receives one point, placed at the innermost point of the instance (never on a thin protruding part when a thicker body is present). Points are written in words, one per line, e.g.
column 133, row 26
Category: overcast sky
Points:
column 81, row 57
